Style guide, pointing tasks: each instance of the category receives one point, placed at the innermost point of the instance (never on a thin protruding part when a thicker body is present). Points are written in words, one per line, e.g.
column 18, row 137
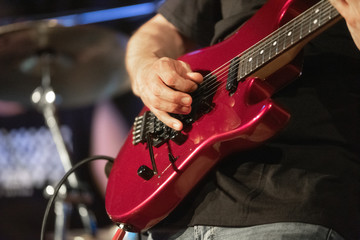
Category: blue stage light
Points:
column 107, row 14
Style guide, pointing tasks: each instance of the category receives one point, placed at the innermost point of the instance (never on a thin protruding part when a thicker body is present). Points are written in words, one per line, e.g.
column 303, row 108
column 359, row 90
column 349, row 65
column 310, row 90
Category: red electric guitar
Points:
column 232, row 111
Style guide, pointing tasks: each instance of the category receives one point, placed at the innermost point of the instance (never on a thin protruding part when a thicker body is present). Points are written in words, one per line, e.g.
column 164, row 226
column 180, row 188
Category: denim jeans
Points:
column 274, row 231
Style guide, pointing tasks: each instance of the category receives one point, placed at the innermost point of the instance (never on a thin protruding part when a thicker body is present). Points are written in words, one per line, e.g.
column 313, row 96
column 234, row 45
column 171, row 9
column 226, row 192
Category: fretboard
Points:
column 287, row 36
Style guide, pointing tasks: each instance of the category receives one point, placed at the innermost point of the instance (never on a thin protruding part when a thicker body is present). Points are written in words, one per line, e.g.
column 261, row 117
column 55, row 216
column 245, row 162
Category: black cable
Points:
column 62, row 181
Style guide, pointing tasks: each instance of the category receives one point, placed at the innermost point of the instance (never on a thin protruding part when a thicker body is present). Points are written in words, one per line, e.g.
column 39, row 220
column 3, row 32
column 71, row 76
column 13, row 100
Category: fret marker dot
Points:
column 289, row 33
column 315, row 21
column 274, row 43
column 262, row 51
column 317, row 10
column 250, row 59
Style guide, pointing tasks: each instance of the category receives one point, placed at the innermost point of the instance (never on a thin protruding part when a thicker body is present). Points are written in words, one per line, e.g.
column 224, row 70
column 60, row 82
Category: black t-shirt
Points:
column 310, row 171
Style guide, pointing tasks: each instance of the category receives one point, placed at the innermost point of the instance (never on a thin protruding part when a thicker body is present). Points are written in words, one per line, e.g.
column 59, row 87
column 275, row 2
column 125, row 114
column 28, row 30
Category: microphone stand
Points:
column 44, row 97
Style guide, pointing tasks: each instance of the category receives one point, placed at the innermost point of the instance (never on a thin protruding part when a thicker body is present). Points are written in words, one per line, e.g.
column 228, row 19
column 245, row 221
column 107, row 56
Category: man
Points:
column 303, row 183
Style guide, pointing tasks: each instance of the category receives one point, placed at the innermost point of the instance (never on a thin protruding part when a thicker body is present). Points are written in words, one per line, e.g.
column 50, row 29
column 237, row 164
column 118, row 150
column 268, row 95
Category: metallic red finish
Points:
column 240, row 121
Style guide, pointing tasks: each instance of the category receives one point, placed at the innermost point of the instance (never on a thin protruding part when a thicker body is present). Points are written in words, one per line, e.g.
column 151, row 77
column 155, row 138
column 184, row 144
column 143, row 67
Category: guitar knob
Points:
column 145, row 172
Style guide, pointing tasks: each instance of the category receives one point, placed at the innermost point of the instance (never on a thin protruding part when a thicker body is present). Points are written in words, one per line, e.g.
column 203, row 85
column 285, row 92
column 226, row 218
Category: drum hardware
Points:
column 43, row 98
column 77, row 66
column 87, row 62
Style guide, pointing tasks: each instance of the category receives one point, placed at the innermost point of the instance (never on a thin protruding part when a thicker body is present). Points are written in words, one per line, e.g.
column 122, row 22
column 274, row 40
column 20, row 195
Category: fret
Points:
column 262, row 55
column 290, row 34
column 255, row 61
column 268, row 50
column 264, row 51
column 334, row 12
column 244, row 63
column 273, row 48
column 330, row 15
column 252, row 60
column 282, row 39
column 289, row 38
column 321, row 15
column 294, row 33
column 276, row 43
column 301, row 28
column 309, row 23
column 259, row 58
column 249, row 63
column 258, row 54
column 326, row 15
column 297, row 32
column 242, row 68
column 255, row 56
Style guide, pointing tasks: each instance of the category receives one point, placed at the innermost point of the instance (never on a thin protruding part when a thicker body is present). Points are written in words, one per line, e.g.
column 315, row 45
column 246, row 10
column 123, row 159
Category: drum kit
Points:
column 83, row 63
column 46, row 65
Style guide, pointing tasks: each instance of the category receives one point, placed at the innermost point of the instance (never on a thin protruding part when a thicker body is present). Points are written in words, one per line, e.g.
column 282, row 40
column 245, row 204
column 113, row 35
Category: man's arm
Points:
column 160, row 81
column 350, row 10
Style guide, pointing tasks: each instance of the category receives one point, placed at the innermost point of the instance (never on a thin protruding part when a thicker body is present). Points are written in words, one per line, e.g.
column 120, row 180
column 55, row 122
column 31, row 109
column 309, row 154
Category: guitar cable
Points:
column 62, row 181
column 119, row 234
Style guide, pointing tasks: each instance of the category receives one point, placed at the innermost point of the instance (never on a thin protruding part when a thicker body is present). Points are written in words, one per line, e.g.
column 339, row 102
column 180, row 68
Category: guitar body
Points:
column 236, row 122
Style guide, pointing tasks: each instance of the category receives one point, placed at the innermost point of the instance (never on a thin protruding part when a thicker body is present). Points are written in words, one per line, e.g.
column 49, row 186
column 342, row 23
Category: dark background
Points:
column 17, row 11
column 12, row 11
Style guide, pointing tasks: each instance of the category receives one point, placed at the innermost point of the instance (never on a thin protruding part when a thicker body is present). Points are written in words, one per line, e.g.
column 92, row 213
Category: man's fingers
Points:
column 165, row 118
column 161, row 92
column 177, row 82
column 177, row 75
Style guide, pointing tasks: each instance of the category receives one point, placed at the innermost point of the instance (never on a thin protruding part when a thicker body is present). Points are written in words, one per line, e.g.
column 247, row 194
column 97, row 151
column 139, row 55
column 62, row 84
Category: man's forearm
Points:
column 155, row 39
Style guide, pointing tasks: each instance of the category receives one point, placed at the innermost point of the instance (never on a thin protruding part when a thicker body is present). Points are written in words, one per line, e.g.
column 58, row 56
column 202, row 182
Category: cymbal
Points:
column 85, row 62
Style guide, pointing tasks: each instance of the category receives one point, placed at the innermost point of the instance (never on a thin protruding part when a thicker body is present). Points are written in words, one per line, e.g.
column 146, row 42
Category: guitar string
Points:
column 278, row 39
column 245, row 54
column 243, row 61
column 221, row 72
column 233, row 71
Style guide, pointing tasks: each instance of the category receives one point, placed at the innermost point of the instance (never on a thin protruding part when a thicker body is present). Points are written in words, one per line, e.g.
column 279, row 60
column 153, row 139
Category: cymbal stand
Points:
column 44, row 97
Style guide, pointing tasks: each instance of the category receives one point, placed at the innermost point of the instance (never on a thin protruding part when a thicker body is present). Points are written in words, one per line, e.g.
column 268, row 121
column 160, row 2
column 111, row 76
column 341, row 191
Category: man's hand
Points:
column 162, row 83
column 164, row 86
column 350, row 10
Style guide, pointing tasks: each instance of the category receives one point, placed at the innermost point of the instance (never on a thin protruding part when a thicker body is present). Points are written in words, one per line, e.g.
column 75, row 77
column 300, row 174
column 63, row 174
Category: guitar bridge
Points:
column 149, row 125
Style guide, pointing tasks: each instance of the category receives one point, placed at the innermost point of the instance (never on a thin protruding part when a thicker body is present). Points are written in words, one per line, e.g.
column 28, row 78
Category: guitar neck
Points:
column 300, row 29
